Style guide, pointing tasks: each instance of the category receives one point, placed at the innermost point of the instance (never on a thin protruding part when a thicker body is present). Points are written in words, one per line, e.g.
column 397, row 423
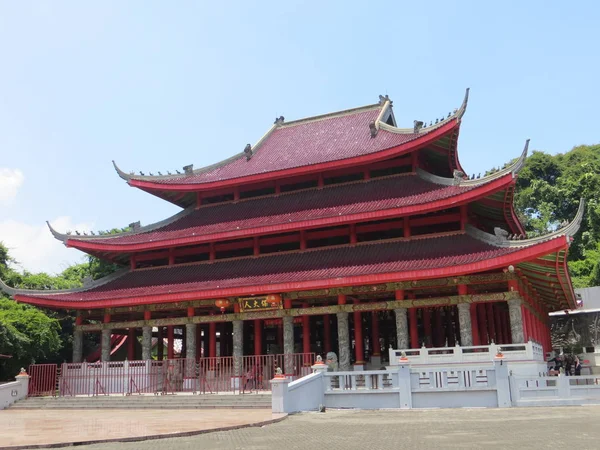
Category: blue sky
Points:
column 158, row 85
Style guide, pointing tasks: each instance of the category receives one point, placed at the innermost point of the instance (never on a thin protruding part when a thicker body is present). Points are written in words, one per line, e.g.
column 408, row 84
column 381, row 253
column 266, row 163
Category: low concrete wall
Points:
column 363, row 400
column 306, row 393
column 14, row 391
column 555, row 391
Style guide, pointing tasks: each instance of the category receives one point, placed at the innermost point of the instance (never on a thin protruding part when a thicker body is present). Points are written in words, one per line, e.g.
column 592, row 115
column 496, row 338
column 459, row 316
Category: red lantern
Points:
column 222, row 304
column 274, row 299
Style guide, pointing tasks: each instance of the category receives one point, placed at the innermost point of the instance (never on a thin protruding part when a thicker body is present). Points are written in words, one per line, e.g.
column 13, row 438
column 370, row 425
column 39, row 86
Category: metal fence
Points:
column 206, row 375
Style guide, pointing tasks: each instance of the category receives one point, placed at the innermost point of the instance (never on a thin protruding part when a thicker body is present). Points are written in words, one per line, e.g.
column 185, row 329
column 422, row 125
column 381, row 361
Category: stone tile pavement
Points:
column 51, row 426
column 520, row 428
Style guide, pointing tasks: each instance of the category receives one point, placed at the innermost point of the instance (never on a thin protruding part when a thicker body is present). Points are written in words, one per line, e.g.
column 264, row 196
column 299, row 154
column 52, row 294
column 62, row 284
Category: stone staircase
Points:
column 179, row 401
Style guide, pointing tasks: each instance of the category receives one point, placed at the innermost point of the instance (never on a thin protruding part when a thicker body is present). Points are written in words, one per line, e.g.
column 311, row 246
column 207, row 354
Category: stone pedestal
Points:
column 77, row 346
column 464, row 322
column 516, row 320
column 279, row 395
column 105, row 344
column 401, row 328
column 146, row 343
column 376, row 362
column 343, row 341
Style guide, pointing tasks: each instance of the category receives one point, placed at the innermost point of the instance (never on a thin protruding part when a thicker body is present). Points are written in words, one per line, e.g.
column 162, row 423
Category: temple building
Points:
column 336, row 233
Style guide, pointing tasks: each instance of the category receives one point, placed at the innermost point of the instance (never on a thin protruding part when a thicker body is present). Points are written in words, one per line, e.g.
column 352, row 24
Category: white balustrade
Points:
column 529, row 351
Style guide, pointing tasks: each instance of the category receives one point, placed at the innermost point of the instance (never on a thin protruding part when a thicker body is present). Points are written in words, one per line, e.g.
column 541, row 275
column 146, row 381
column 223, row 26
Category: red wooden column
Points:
column 212, row 339
column 489, row 307
column 498, row 323
column 474, row 324
column 170, row 342
column 481, row 320
column 450, row 333
column 199, row 341
column 375, row 334
column 306, row 333
column 438, row 328
column 257, row 337
column 160, row 345
column 463, row 217
column 131, row 344
column 326, row 333
column 358, row 337
column 414, row 328
column 427, row 326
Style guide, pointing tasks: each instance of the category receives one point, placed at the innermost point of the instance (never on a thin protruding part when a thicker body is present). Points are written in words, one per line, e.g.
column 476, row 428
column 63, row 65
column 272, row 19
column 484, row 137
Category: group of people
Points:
column 567, row 364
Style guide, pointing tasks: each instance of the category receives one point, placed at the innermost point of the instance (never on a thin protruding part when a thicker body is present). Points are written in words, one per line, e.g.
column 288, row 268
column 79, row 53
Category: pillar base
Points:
column 376, row 362
column 359, row 366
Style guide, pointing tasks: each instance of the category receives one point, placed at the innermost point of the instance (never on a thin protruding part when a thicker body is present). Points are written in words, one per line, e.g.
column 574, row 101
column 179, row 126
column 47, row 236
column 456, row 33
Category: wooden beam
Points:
column 319, row 310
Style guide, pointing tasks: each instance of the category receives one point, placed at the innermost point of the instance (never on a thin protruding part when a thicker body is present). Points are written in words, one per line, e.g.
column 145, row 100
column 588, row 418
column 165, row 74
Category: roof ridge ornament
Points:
column 463, row 108
column 383, row 99
column 189, row 169
column 498, row 239
column 418, row 124
column 279, row 120
column 87, row 285
column 248, row 151
column 373, row 128
column 121, row 173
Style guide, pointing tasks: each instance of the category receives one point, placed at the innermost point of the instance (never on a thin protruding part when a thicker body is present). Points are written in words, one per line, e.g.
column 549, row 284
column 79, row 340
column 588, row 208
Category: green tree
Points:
column 548, row 192
column 27, row 334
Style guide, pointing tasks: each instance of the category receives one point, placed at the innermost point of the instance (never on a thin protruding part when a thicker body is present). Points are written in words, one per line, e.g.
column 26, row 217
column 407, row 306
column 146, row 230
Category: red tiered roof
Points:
column 329, row 205
column 317, row 143
column 383, row 261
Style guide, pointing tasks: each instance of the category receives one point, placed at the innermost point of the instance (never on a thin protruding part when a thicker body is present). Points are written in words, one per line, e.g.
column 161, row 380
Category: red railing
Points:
column 42, row 381
column 207, row 375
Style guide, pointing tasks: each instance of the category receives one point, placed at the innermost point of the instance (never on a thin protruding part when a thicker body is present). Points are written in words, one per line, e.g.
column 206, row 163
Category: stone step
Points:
column 148, row 402
column 257, row 406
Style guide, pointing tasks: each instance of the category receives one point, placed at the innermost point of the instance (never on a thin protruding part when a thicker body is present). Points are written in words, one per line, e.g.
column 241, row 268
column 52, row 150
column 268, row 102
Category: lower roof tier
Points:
column 352, row 202
column 450, row 254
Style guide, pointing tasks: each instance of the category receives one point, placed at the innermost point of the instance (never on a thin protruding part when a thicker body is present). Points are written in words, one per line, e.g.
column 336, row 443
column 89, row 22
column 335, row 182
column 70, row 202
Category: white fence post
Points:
column 405, row 391
column 502, row 383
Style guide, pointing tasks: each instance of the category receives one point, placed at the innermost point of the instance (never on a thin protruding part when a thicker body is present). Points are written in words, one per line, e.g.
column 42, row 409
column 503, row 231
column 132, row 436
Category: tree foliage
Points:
column 548, row 192
column 34, row 335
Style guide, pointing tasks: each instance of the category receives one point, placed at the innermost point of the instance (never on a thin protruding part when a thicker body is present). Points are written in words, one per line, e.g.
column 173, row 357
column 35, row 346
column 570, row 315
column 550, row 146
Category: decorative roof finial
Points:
column 248, row 151
column 135, row 226
column 383, row 99
column 373, row 129
column 418, row 124
column 279, row 120
column 189, row 169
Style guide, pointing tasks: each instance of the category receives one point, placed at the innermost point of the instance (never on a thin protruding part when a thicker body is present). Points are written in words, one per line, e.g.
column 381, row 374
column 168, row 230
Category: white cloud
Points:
column 10, row 182
column 34, row 247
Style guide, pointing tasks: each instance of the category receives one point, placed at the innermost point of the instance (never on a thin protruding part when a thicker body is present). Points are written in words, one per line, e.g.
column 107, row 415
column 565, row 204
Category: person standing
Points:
column 577, row 366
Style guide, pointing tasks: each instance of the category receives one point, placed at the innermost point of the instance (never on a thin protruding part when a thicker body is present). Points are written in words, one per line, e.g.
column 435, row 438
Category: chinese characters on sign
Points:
column 260, row 303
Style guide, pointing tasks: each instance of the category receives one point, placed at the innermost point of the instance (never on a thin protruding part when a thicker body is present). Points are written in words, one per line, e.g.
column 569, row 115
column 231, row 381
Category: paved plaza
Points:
column 52, row 426
column 526, row 428
column 522, row 428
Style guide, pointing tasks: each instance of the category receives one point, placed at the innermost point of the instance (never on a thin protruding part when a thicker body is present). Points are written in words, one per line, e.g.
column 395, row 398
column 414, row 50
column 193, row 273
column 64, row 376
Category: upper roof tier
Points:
column 449, row 254
column 378, row 198
column 317, row 143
